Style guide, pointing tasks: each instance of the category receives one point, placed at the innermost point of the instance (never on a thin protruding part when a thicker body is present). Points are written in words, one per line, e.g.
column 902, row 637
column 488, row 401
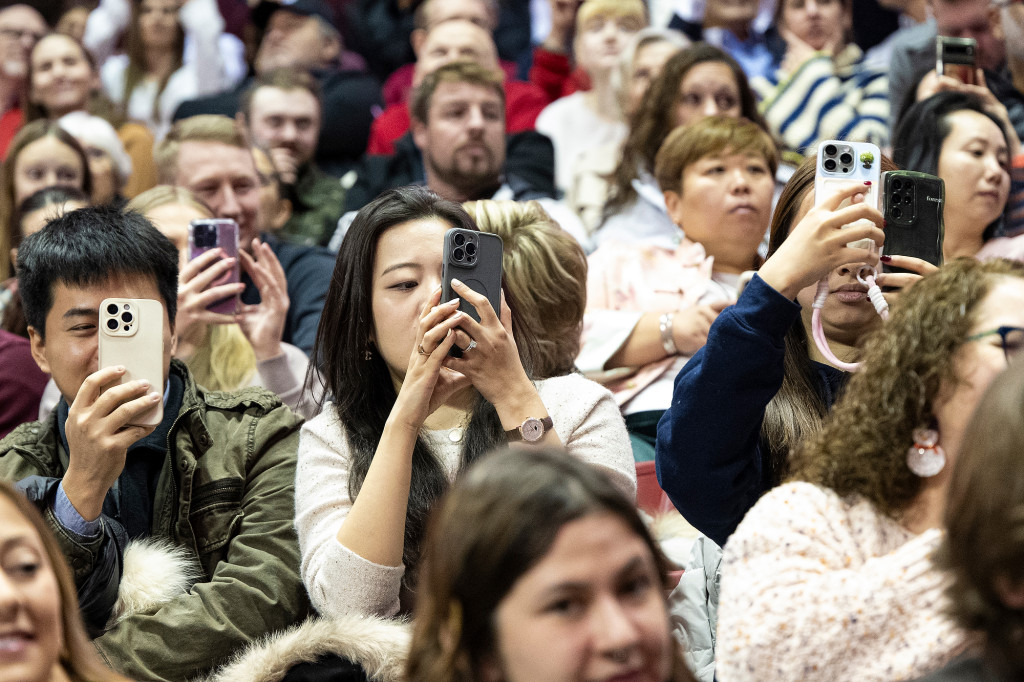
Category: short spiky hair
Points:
column 87, row 247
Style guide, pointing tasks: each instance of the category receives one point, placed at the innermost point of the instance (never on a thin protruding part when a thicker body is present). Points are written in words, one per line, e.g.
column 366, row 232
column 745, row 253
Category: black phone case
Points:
column 913, row 216
column 479, row 270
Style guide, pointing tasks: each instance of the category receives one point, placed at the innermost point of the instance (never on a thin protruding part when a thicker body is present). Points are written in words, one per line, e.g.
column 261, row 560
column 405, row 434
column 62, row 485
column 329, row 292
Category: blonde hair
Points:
column 225, row 360
column 545, row 271
column 204, row 128
column 615, row 9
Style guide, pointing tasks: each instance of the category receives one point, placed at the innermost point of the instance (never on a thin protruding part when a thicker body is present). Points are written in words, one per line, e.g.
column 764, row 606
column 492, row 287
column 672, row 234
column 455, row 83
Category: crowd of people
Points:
column 349, row 465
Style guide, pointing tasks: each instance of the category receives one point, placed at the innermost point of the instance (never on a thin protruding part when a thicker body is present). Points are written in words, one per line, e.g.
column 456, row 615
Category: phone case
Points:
column 212, row 233
column 132, row 335
column 913, row 215
column 474, row 258
column 841, row 164
column 955, row 57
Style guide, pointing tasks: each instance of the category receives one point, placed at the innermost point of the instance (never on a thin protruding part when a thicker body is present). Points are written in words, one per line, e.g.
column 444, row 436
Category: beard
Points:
column 469, row 170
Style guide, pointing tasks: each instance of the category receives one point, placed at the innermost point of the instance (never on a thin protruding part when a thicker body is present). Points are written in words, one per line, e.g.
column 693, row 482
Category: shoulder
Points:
column 571, row 398
column 258, row 407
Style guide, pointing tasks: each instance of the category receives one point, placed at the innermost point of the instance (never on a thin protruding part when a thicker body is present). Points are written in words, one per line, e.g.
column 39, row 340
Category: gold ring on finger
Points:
column 421, row 351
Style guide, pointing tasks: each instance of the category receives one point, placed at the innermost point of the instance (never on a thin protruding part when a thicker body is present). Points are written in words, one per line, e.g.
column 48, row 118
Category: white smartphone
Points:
column 132, row 335
column 841, row 164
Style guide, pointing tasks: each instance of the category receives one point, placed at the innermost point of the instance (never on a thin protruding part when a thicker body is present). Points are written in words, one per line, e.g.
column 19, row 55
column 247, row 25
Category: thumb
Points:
column 719, row 306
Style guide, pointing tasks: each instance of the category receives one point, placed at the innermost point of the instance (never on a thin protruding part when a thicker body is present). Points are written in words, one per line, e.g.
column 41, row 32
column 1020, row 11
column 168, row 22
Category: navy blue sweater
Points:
column 710, row 457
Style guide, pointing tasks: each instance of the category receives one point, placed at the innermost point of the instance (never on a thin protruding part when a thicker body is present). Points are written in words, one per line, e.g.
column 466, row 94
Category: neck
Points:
column 159, row 63
column 845, row 350
column 461, row 193
column 1017, row 72
column 602, row 98
column 10, row 91
column 929, row 505
column 456, row 411
column 959, row 241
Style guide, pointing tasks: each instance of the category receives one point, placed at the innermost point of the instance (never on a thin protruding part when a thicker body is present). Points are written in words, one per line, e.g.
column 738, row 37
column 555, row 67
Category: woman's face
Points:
column 158, row 22
column 976, row 363
column 30, row 610
column 105, row 181
column 601, row 41
column 591, row 609
column 47, row 162
column 819, row 23
column 647, row 64
column 974, row 163
column 708, row 89
column 848, row 313
column 725, row 203
column 406, row 271
column 61, row 76
column 172, row 220
column 36, row 220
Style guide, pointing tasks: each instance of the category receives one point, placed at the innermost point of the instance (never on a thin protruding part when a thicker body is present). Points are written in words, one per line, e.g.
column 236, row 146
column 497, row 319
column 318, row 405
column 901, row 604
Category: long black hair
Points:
column 357, row 379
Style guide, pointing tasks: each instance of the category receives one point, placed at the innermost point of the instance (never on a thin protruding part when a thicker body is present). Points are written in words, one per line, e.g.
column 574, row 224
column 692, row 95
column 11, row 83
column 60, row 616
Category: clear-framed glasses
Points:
column 1006, row 3
column 1010, row 338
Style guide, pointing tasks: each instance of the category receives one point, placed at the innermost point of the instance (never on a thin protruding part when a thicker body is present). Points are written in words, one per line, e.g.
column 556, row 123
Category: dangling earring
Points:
column 367, row 355
column 926, row 457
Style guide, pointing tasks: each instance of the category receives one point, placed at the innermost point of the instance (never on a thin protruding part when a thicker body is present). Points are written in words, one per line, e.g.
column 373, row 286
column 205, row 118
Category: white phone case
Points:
column 132, row 334
column 841, row 164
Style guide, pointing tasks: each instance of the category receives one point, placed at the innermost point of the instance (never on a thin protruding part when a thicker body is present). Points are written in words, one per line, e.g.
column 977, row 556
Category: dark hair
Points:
column 89, row 246
column 655, row 118
column 984, row 523
column 361, row 389
column 455, row 72
column 284, row 78
column 48, row 196
column 498, row 521
column 135, row 73
column 924, row 127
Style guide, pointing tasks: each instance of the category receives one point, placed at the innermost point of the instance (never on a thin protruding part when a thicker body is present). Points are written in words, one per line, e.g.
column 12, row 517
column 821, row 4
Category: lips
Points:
column 743, row 208
column 14, row 644
column 851, row 293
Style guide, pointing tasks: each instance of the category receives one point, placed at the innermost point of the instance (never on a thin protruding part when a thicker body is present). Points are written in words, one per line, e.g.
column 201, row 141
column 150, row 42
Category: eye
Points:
column 404, row 286
column 24, row 570
column 691, row 99
column 637, row 586
column 568, row 607
column 714, row 170
column 725, row 101
column 757, row 169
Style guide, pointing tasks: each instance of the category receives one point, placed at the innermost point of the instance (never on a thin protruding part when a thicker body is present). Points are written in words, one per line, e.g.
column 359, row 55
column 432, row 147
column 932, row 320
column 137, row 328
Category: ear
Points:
column 281, row 215
column 416, row 39
column 330, row 50
column 174, row 344
column 995, row 20
column 674, row 205
column 241, row 121
column 419, row 134
column 38, row 346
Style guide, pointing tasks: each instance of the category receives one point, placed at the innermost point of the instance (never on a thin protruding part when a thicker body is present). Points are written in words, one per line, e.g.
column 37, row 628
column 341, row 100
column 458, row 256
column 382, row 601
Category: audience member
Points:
column 649, row 307
column 209, row 156
column 737, row 27
column 967, row 142
column 831, row 575
column 582, row 120
column 281, row 112
column 545, row 271
column 450, row 41
column 222, row 356
column 72, row 22
column 552, row 67
column 301, row 35
column 41, row 155
column 153, row 76
column 697, row 82
column 21, row 26
column 982, row 547
column 21, row 383
column 407, row 417
column 275, row 209
column 822, row 89
column 109, row 163
column 62, row 79
column 507, row 540
column 39, row 596
column 458, row 148
column 103, row 482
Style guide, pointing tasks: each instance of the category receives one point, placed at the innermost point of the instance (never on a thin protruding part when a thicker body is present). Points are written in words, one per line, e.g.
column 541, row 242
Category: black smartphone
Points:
column 955, row 57
column 913, row 204
column 474, row 258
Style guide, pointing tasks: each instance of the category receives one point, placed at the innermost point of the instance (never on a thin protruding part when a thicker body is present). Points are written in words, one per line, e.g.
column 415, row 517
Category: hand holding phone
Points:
column 208, row 234
column 131, row 335
column 913, row 205
column 474, row 258
column 842, row 164
column 955, row 58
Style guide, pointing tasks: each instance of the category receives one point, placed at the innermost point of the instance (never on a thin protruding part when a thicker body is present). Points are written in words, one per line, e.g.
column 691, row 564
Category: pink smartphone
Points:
column 206, row 234
column 132, row 335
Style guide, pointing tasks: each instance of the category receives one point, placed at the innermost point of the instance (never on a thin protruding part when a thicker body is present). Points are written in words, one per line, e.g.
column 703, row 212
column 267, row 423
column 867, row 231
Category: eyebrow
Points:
column 398, row 266
column 78, row 312
column 634, row 564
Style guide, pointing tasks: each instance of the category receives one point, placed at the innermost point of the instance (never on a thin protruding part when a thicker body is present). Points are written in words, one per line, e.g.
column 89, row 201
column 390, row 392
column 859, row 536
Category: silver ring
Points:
column 471, row 346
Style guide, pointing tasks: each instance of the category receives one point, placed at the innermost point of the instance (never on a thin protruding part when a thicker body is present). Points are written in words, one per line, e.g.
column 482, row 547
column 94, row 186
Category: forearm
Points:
column 643, row 346
column 522, row 402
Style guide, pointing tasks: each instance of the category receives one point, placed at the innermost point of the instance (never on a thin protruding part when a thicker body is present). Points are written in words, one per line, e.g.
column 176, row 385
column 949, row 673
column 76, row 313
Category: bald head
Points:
column 455, row 40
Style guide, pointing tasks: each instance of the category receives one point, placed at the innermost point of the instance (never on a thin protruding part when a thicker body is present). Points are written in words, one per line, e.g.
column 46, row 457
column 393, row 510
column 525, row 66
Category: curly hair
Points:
column 655, row 118
column 860, row 449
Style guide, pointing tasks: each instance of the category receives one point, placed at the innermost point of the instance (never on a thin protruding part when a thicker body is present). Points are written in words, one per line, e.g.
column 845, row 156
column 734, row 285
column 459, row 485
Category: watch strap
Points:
column 516, row 434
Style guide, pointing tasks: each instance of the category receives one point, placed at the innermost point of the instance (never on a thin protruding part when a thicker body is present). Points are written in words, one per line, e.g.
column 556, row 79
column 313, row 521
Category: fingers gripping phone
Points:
column 913, row 216
column 474, row 258
column 206, row 234
column 841, row 164
column 955, row 57
column 132, row 335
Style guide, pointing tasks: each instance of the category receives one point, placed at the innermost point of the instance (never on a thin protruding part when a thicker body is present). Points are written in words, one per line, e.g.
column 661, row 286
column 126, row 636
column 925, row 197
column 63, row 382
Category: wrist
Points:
column 667, row 332
column 267, row 351
column 519, row 404
column 779, row 279
column 82, row 494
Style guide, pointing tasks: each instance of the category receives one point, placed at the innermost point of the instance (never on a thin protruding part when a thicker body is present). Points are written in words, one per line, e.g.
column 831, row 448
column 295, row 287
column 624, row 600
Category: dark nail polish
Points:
column 885, row 223
column 885, row 259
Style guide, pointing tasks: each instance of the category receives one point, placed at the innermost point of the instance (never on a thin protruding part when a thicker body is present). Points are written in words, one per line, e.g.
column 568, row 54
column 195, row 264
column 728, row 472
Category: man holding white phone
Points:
column 213, row 480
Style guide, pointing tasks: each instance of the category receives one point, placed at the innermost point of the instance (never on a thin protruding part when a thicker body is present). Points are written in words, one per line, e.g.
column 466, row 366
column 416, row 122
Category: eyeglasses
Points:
column 1002, row 4
column 20, row 34
column 1010, row 338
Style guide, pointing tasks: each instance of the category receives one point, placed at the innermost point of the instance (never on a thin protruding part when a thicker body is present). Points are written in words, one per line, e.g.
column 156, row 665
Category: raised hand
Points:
column 263, row 323
column 194, row 296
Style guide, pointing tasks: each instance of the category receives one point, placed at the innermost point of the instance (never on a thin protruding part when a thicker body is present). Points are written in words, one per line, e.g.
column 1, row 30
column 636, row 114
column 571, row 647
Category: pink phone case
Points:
column 212, row 233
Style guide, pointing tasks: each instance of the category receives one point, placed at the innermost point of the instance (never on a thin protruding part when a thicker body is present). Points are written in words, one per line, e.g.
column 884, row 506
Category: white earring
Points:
column 926, row 457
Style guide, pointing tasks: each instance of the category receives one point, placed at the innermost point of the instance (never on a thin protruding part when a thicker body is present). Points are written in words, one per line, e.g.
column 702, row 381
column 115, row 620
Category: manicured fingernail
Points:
column 457, row 315
column 452, row 302
column 885, row 259
column 885, row 223
column 153, row 397
column 456, row 283
column 144, row 384
column 867, row 182
column 120, row 368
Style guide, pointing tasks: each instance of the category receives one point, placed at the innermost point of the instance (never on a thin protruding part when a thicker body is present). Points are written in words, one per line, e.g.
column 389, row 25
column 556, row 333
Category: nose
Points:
column 811, row 7
column 740, row 181
column 10, row 599
column 228, row 205
column 994, row 170
column 710, row 106
column 614, row 628
column 475, row 118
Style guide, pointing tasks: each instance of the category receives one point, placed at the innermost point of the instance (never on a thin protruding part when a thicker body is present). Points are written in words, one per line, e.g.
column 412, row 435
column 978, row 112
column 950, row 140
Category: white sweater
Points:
column 339, row 581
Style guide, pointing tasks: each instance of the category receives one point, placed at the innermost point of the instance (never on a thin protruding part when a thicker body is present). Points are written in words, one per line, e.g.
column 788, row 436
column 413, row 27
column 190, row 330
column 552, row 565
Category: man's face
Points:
column 224, row 178
column 1012, row 24
column 970, row 19
column 294, row 40
column 454, row 41
column 70, row 352
column 474, row 11
column 20, row 28
column 285, row 119
column 463, row 140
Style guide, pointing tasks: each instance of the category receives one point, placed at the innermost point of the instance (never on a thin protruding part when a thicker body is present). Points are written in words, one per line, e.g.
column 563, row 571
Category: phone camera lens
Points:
column 459, row 255
column 126, row 317
column 895, row 199
column 471, row 249
column 846, row 158
column 459, row 239
column 830, row 165
column 897, row 213
column 112, row 309
column 112, row 324
column 897, row 185
column 831, row 150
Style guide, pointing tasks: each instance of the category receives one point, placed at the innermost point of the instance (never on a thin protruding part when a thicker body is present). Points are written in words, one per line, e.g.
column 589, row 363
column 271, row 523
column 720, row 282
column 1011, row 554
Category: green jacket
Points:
column 317, row 201
column 225, row 493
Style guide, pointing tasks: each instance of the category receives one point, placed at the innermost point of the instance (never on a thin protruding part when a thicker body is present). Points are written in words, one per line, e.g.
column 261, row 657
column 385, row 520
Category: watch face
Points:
column 533, row 430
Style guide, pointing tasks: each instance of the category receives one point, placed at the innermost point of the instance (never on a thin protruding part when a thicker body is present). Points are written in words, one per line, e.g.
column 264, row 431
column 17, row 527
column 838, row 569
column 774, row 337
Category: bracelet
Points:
column 665, row 327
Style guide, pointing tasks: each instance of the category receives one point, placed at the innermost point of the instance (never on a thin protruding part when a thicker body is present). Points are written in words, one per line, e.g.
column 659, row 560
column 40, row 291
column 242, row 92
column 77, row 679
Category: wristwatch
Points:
column 530, row 431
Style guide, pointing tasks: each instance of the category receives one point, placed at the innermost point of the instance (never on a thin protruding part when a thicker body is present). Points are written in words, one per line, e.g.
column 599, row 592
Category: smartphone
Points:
column 841, row 164
column 913, row 216
column 205, row 234
column 474, row 258
column 132, row 335
column 955, row 57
